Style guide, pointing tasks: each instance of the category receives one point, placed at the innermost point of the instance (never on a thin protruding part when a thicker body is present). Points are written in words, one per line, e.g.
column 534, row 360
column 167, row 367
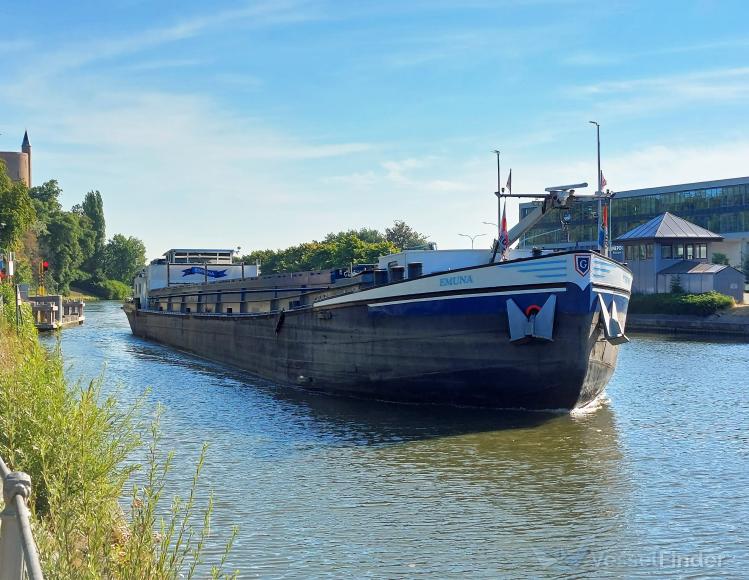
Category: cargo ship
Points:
column 453, row 327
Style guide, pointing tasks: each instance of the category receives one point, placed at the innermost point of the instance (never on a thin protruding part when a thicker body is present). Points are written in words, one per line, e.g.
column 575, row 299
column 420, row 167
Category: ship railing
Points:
column 19, row 556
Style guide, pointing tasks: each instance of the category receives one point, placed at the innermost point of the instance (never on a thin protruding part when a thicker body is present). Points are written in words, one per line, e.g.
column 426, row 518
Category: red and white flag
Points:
column 603, row 181
column 504, row 237
column 508, row 187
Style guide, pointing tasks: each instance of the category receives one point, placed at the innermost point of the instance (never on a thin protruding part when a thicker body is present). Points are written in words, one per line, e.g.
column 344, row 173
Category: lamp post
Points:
column 472, row 237
column 598, row 190
column 499, row 199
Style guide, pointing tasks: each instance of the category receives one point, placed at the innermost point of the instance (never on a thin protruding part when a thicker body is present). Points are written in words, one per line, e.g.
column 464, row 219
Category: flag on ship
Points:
column 508, row 187
column 603, row 235
column 504, row 238
column 603, row 181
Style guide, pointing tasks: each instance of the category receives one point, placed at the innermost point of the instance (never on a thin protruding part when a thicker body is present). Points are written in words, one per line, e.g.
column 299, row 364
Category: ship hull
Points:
column 451, row 349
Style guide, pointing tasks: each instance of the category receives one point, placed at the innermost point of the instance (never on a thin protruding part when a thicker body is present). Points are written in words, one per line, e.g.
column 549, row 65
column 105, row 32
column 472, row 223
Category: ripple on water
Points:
column 657, row 472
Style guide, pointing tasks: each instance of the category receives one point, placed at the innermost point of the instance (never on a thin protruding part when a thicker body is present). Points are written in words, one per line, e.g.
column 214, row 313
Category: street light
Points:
column 598, row 190
column 472, row 237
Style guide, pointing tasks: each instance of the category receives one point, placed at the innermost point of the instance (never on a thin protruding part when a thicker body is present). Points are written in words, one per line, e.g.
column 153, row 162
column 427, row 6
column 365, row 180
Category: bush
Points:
column 105, row 289
column 694, row 304
column 719, row 258
column 676, row 287
column 77, row 445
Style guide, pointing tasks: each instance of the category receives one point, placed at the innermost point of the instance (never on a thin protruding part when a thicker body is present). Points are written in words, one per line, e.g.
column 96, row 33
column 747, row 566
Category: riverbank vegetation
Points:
column 73, row 242
column 337, row 250
column 676, row 303
column 96, row 513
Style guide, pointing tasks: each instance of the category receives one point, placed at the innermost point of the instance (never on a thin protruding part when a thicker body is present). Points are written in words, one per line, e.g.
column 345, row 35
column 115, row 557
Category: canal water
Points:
column 653, row 481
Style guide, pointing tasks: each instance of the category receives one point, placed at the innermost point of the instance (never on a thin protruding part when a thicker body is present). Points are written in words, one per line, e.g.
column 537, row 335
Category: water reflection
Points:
column 341, row 487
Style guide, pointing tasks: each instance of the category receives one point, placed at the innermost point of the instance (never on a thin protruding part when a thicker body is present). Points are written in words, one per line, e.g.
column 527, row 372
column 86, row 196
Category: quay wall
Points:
column 727, row 325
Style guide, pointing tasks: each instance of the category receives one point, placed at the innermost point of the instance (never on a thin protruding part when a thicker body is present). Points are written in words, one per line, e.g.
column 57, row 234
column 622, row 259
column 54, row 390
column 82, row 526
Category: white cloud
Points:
column 587, row 58
column 629, row 98
column 9, row 46
column 159, row 64
column 694, row 83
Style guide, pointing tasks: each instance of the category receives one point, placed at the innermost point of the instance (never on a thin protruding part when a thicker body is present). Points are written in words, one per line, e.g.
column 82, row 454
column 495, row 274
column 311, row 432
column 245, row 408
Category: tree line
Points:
column 73, row 242
column 362, row 246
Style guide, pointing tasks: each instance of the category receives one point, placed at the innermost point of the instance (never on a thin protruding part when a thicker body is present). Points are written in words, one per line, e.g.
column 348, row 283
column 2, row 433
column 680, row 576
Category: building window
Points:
column 690, row 251
column 702, row 251
column 679, row 251
column 648, row 251
column 666, row 251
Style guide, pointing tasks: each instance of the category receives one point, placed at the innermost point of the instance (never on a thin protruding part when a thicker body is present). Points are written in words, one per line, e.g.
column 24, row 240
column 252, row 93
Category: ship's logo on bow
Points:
column 203, row 272
column 582, row 263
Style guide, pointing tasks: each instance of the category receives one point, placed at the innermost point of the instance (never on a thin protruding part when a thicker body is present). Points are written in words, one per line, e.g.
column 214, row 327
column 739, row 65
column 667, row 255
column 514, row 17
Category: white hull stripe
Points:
column 608, row 291
column 458, row 296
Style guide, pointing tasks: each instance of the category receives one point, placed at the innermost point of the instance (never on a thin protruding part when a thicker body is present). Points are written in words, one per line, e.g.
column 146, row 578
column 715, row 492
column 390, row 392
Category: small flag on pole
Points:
column 508, row 187
column 603, row 181
column 604, row 234
column 504, row 238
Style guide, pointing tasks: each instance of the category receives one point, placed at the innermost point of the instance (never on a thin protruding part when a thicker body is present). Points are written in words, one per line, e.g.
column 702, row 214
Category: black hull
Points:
column 456, row 360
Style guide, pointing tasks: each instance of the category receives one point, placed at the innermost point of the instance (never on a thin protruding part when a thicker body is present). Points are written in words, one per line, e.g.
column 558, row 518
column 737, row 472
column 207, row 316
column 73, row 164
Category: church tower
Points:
column 26, row 148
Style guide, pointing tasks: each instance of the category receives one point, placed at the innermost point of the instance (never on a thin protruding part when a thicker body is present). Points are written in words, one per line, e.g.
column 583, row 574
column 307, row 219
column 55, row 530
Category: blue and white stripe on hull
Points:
column 464, row 337
column 562, row 272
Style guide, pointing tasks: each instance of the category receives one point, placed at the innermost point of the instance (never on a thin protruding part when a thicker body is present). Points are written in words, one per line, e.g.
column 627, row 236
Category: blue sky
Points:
column 265, row 124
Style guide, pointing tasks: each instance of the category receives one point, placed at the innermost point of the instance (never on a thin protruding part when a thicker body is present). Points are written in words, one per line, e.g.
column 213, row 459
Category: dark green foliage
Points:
column 123, row 258
column 80, row 448
column 337, row 250
column 676, row 287
column 315, row 255
column 404, row 237
column 694, row 304
column 16, row 210
column 46, row 199
column 74, row 243
column 105, row 289
column 93, row 209
column 63, row 249
column 721, row 259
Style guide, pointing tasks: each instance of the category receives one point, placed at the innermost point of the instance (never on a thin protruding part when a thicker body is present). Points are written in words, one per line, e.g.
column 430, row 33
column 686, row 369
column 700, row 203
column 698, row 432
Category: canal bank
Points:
column 658, row 474
column 733, row 323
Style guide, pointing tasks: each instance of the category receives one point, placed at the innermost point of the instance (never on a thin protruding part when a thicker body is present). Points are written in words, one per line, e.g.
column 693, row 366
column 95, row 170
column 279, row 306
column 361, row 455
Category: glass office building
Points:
column 721, row 206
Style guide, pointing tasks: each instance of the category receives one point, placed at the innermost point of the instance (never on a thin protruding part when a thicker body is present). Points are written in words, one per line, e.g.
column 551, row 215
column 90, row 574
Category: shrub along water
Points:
column 76, row 445
column 694, row 304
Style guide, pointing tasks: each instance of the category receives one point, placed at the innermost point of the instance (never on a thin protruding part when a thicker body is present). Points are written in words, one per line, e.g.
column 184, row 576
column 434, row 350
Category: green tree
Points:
column 335, row 251
column 46, row 200
column 123, row 258
column 16, row 210
column 62, row 249
column 404, row 236
column 719, row 258
column 369, row 235
column 93, row 209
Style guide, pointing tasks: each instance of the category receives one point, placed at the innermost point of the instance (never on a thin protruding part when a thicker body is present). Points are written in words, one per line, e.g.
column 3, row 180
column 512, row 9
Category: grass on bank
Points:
column 104, row 289
column 77, row 445
column 693, row 304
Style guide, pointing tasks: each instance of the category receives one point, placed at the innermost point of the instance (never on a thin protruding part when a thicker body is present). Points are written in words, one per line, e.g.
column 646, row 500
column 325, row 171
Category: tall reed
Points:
column 77, row 445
